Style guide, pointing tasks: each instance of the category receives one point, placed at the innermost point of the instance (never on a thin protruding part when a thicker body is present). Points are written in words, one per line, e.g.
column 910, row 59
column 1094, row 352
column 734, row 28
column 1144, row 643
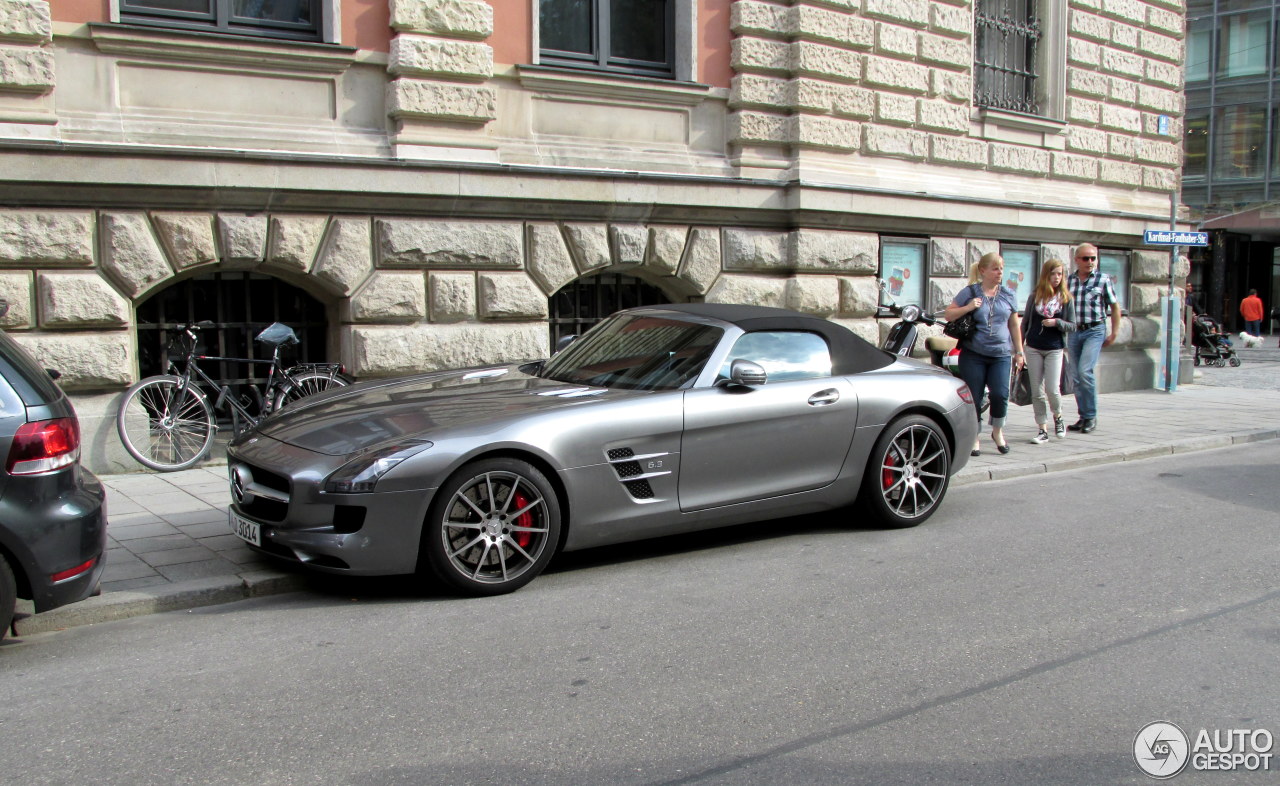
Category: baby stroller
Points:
column 1212, row 347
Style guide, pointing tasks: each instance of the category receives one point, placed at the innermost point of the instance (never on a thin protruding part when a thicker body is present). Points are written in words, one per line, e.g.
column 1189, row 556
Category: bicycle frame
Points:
column 265, row 396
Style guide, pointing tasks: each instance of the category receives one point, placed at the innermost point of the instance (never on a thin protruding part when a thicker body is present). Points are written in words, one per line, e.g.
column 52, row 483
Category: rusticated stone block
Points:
column 1124, row 36
column 759, row 128
column 944, row 117
column 1122, row 91
column 448, row 244
column 1149, row 266
column 748, row 290
column 943, row 290
column 819, row 96
column 754, row 249
column 1090, row 26
column 1158, row 99
column 468, row 60
column 894, row 108
column 1161, row 46
column 951, row 20
column 130, row 254
column 976, row 249
column 441, row 101
column 762, row 91
column 391, row 297
column 1127, row 10
column 630, row 243
column 26, row 69
column 945, row 51
column 818, row 295
column 188, row 237
column 85, row 360
column 80, row 300
column 1139, row 331
column 1165, row 21
column 947, row 258
column 909, row 12
column 1087, row 140
column 1082, row 110
column 896, row 75
column 895, row 142
column 1153, row 152
column 666, row 248
column 294, row 241
column 588, row 245
column 1164, row 74
column 25, row 20
column 46, row 237
column 859, row 296
column 826, row 132
column 1015, row 158
column 832, row 250
column 1122, row 63
column 394, row 351
column 701, row 264
column 754, row 55
column 950, row 85
column 826, row 61
column 510, row 296
column 243, row 239
column 1159, row 179
column 1120, row 172
column 896, row 41
column 453, row 296
column 549, row 261
column 1071, row 167
column 958, row 151
column 1084, row 53
column 1088, row 83
column 820, row 24
column 747, row 17
column 15, row 288
column 451, row 18
column 346, row 260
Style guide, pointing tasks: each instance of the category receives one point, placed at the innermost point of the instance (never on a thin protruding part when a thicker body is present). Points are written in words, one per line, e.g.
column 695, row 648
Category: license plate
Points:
column 249, row 531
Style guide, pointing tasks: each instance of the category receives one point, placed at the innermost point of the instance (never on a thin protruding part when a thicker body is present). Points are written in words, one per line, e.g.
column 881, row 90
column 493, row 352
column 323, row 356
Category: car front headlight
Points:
column 361, row 475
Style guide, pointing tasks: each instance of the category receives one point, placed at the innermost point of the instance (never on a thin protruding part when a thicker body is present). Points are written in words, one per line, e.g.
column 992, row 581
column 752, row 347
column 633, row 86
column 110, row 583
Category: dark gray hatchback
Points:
column 53, row 512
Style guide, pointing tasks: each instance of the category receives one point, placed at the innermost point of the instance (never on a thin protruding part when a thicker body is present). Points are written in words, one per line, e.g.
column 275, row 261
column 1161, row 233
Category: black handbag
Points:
column 961, row 327
column 1020, row 392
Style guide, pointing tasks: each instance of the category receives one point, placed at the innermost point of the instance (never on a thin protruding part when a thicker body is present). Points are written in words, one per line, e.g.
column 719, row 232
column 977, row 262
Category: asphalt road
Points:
column 1024, row 635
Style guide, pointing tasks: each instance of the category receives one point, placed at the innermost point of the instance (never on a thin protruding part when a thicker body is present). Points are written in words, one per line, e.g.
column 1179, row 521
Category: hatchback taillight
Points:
column 44, row 446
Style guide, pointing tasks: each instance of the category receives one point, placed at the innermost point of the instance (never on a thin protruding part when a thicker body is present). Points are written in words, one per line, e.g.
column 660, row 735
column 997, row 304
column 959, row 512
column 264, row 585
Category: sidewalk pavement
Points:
column 169, row 546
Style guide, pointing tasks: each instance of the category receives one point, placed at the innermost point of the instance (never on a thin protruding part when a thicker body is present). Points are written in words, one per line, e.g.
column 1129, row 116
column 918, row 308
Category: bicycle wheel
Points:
column 162, row 429
column 305, row 383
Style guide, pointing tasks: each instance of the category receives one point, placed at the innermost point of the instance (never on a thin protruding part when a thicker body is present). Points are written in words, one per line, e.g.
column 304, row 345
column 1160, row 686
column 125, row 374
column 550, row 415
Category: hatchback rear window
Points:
column 31, row 382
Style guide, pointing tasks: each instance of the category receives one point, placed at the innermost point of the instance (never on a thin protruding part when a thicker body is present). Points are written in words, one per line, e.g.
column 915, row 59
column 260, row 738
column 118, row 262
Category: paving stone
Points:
column 142, row 546
column 159, row 559
column 202, row 516
column 153, row 580
column 125, row 534
column 197, row 570
column 208, row 530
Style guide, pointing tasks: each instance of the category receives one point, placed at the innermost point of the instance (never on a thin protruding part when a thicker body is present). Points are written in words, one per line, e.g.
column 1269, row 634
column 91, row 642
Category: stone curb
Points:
column 207, row 592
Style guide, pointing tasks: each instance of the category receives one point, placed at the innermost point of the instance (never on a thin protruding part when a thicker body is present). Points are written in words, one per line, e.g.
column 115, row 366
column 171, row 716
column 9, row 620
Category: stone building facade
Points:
column 420, row 172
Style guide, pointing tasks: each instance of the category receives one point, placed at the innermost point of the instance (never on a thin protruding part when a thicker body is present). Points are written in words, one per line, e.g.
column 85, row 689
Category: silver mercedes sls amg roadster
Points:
column 659, row 420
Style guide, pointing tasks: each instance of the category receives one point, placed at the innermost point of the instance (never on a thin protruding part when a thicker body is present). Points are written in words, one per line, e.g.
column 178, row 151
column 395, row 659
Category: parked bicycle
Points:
column 167, row 422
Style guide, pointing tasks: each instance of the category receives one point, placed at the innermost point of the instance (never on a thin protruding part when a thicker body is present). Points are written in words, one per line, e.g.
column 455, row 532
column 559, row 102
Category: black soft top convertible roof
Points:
column 850, row 354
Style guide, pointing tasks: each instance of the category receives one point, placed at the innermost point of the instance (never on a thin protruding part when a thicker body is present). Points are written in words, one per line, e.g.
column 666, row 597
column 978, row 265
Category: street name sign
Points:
column 1167, row 237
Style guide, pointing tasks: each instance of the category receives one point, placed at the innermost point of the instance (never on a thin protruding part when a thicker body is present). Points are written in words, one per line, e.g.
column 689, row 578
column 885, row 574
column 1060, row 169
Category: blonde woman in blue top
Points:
column 988, row 357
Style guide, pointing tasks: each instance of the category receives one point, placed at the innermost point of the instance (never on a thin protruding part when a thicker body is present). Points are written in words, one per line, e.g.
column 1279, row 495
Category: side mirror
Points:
column 747, row 374
column 564, row 342
column 53, row 373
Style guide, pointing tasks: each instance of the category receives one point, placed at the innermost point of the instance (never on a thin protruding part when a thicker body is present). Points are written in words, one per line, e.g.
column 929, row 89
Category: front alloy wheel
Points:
column 908, row 472
column 493, row 528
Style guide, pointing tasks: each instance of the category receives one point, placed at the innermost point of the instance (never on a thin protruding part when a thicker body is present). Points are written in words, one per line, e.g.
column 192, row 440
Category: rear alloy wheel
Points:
column 907, row 473
column 493, row 527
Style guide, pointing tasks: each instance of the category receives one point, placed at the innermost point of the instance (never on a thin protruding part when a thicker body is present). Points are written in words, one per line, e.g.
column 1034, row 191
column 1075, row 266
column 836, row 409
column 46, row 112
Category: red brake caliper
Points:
column 523, row 539
column 886, row 476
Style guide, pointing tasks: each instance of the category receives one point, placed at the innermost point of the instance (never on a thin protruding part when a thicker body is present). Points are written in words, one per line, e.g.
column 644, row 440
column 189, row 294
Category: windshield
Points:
column 636, row 352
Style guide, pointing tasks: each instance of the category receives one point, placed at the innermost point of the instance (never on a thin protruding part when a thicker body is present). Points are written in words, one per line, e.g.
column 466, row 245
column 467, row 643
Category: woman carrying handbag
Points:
column 987, row 356
column 1046, row 321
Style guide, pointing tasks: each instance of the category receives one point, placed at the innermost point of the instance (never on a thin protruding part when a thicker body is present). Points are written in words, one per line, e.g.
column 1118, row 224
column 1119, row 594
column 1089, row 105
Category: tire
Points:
column 8, row 596
column 471, row 541
column 1235, row 362
column 162, row 433
column 306, row 383
column 907, row 473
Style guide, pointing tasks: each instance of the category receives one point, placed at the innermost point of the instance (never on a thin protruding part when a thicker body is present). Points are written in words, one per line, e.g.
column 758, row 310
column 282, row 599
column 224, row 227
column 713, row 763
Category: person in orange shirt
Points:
column 1251, row 309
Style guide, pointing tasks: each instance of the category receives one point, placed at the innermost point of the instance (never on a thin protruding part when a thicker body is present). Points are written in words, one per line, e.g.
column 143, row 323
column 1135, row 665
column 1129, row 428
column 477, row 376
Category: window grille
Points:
column 1007, row 33
column 583, row 303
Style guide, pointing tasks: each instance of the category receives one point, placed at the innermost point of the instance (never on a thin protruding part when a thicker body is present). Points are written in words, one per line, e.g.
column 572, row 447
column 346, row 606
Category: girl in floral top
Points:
column 1047, row 319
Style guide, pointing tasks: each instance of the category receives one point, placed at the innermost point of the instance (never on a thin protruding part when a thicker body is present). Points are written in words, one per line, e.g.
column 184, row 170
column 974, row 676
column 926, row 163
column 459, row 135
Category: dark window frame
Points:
column 601, row 58
column 219, row 18
column 582, row 303
column 925, row 263
column 1006, row 35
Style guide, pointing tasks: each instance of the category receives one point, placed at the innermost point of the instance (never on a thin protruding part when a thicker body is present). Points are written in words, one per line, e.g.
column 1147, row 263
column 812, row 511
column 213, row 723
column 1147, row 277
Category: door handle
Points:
column 824, row 397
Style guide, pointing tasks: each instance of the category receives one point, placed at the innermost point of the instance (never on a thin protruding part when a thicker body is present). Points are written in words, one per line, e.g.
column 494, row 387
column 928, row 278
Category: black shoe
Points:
column 975, row 453
column 1003, row 449
column 1077, row 426
column 1088, row 425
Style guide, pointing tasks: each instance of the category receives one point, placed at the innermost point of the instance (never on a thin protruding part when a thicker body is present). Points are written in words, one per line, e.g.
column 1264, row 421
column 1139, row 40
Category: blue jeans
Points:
column 984, row 372
column 1085, row 346
column 1253, row 327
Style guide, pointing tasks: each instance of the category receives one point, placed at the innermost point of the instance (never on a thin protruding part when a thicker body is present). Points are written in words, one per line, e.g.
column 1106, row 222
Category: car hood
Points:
column 362, row 416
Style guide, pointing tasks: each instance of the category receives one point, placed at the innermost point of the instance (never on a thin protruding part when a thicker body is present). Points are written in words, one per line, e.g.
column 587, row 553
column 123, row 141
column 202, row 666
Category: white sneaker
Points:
column 1059, row 428
column 1040, row 438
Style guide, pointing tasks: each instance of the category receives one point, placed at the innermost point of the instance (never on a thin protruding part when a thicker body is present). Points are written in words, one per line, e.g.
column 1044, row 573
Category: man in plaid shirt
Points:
column 1094, row 296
